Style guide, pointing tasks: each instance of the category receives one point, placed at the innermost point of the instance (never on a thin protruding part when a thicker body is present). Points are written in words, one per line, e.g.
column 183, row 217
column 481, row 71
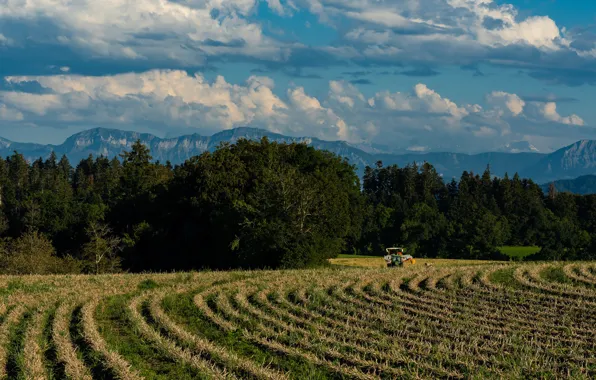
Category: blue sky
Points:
column 414, row 75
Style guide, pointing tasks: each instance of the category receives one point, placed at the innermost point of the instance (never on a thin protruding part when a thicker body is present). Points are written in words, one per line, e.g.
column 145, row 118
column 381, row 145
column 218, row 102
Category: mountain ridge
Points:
column 582, row 185
column 566, row 163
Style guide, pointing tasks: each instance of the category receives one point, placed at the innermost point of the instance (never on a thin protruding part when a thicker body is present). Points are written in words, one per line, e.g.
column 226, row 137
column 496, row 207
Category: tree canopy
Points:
column 267, row 205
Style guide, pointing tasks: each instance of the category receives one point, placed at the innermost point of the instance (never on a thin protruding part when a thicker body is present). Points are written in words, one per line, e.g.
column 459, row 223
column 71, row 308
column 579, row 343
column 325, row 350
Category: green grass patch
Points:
column 92, row 359
column 54, row 367
column 143, row 355
column 518, row 252
column 20, row 286
column 555, row 274
column 147, row 285
column 182, row 310
column 15, row 360
column 504, row 277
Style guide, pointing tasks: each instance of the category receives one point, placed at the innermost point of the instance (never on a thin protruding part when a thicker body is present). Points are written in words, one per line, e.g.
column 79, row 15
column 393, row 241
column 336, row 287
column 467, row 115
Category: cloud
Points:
column 363, row 81
column 474, row 68
column 119, row 35
column 565, row 76
column 512, row 102
column 549, row 112
column 8, row 114
column 169, row 97
column 420, row 72
column 174, row 102
column 166, row 99
column 5, row 41
column 183, row 32
column 357, row 74
column 465, row 33
column 548, row 98
column 537, row 109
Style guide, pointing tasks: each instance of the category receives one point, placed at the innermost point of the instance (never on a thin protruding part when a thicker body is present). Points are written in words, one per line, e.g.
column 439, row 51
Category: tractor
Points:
column 396, row 257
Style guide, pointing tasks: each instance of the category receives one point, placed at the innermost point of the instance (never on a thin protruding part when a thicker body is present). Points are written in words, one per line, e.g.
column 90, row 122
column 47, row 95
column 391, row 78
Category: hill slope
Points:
column 581, row 185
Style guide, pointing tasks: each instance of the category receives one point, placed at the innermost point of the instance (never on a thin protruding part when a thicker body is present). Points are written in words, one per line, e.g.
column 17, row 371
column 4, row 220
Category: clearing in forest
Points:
column 462, row 321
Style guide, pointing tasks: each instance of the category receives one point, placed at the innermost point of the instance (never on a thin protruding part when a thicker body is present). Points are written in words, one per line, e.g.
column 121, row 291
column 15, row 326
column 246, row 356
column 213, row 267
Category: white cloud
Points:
column 181, row 31
column 311, row 111
column 436, row 103
column 172, row 100
column 302, row 101
column 549, row 112
column 345, row 94
column 513, row 103
column 450, row 32
column 172, row 97
column 192, row 33
column 540, row 32
column 5, row 40
column 537, row 31
column 8, row 114
column 536, row 111
column 423, row 99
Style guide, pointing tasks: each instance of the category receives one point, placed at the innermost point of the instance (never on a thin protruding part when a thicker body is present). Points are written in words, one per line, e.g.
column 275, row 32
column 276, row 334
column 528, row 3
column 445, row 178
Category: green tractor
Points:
column 396, row 257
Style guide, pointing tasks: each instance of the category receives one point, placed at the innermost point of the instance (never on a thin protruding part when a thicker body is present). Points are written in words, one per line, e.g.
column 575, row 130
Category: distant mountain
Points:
column 519, row 147
column 581, row 185
column 111, row 142
column 453, row 164
column 569, row 162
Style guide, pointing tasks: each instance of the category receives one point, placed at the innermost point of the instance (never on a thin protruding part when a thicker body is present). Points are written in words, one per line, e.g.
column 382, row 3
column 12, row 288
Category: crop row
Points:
column 506, row 321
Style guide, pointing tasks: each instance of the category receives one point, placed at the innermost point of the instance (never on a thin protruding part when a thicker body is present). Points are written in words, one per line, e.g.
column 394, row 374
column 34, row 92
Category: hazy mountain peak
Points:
column 569, row 162
column 519, row 147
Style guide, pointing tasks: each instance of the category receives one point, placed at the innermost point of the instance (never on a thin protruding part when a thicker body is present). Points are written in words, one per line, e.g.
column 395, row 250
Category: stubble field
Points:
column 440, row 321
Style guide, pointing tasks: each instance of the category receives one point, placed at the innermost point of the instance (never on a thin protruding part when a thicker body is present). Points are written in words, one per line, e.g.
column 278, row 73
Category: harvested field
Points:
column 452, row 321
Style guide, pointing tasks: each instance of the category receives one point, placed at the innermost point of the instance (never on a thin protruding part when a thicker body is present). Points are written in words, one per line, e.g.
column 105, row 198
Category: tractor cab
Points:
column 396, row 257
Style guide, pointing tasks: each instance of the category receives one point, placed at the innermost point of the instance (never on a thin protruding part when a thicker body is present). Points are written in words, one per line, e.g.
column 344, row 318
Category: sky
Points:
column 405, row 75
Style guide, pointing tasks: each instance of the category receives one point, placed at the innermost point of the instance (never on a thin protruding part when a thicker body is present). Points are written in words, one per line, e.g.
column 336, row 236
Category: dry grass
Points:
column 452, row 319
column 379, row 262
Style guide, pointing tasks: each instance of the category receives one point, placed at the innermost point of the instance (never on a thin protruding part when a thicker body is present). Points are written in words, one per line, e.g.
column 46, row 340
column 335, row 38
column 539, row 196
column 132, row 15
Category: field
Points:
column 518, row 252
column 379, row 262
column 454, row 321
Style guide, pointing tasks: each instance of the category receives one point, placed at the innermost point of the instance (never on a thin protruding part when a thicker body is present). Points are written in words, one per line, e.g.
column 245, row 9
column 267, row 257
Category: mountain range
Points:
column 569, row 162
column 585, row 184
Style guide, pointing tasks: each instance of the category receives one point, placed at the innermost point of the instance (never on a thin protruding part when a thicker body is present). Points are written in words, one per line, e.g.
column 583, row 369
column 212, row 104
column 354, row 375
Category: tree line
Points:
column 264, row 204
column 472, row 217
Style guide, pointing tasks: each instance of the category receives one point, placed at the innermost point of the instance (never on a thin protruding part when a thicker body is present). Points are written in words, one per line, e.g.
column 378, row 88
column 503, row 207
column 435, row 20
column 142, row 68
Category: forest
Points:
column 268, row 205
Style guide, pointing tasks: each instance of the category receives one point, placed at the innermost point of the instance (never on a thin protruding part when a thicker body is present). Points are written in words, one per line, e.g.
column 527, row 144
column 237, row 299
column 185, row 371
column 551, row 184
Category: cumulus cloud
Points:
column 422, row 101
column 537, row 110
column 495, row 25
column 172, row 100
column 8, row 114
column 165, row 99
column 184, row 32
column 511, row 102
column 459, row 32
column 549, row 112
column 158, row 33
column 314, row 114
column 169, row 96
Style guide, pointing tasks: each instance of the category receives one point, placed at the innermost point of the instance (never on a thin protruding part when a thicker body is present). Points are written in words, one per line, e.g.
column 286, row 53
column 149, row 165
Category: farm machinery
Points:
column 396, row 257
